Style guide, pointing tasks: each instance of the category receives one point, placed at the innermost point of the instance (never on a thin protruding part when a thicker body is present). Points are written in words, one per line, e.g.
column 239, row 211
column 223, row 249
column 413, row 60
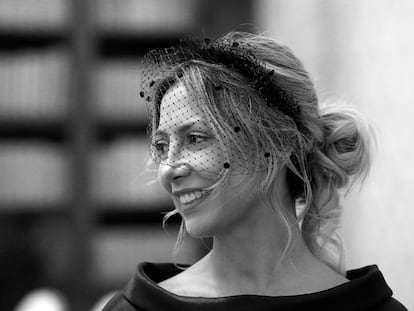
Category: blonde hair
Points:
column 334, row 152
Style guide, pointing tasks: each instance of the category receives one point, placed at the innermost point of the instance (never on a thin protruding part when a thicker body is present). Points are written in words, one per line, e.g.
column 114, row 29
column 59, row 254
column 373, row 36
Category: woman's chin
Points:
column 198, row 230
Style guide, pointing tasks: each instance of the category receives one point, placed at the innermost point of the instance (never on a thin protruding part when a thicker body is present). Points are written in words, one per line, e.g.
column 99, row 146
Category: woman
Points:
column 250, row 160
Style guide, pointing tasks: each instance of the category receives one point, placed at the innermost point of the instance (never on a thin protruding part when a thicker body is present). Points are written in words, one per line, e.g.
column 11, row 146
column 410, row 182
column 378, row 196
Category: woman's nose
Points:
column 169, row 173
column 175, row 166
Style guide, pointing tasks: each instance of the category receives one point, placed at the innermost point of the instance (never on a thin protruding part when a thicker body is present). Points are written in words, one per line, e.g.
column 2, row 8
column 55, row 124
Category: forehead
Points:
column 178, row 106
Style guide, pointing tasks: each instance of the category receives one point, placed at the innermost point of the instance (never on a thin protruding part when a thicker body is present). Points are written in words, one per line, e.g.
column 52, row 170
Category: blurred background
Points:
column 76, row 210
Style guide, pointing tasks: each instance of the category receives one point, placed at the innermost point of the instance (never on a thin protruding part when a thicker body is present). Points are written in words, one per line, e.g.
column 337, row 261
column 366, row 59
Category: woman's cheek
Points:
column 210, row 161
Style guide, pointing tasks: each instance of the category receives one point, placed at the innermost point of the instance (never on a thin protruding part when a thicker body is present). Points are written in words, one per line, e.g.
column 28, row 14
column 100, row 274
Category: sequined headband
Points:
column 233, row 56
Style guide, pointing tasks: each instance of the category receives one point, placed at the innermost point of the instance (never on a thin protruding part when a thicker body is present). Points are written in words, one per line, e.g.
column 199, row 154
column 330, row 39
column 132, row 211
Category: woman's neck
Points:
column 257, row 261
column 262, row 256
column 252, row 269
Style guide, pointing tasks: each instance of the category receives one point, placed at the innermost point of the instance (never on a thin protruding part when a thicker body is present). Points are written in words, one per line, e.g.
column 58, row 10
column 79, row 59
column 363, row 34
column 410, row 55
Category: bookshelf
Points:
column 73, row 136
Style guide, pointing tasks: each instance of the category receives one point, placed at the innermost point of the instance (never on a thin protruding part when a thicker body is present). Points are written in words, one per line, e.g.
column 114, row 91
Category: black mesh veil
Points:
column 215, row 107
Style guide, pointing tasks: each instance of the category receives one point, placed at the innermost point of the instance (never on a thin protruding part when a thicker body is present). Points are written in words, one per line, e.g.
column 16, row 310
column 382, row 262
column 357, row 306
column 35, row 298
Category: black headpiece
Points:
column 235, row 56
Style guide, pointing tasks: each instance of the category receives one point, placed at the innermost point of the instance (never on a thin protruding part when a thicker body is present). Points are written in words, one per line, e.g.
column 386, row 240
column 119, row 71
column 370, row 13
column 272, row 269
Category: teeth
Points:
column 190, row 197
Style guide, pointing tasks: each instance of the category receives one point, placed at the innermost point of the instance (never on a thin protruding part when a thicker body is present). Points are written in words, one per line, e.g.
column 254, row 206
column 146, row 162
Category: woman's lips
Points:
column 189, row 199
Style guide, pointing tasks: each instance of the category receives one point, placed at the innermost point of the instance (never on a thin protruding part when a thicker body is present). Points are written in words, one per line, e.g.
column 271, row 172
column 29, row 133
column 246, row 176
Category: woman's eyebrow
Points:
column 182, row 128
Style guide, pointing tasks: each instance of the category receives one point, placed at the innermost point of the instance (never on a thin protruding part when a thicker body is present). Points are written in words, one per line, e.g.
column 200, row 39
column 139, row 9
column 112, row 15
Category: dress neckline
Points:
column 144, row 293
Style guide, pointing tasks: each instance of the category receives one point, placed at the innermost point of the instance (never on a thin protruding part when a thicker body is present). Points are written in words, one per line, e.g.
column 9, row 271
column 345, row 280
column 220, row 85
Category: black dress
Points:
column 366, row 290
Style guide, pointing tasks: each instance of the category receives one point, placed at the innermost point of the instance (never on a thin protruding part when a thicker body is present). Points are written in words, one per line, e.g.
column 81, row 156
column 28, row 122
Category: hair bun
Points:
column 345, row 148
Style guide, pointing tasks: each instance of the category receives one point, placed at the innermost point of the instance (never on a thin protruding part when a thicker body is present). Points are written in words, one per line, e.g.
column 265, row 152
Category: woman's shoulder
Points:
column 392, row 304
column 368, row 284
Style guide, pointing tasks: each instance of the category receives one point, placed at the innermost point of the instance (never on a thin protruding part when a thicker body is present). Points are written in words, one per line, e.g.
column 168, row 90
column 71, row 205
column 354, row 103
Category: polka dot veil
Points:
column 211, row 109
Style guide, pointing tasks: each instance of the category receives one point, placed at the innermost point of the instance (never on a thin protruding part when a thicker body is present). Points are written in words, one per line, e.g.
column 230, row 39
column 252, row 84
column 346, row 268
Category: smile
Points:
column 188, row 198
column 191, row 197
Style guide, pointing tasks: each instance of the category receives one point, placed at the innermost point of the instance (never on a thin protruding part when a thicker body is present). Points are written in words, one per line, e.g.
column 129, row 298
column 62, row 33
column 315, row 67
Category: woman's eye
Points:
column 197, row 138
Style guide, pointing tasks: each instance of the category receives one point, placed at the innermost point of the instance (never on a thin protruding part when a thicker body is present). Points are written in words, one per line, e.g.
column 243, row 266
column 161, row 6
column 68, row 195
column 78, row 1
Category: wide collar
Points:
column 366, row 289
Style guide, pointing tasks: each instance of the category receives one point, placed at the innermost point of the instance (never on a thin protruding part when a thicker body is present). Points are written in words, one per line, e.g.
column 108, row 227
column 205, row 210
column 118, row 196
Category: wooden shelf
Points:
column 125, row 215
column 129, row 44
column 30, row 128
column 104, row 215
column 57, row 131
column 33, row 211
column 111, row 129
column 31, row 38
column 107, row 215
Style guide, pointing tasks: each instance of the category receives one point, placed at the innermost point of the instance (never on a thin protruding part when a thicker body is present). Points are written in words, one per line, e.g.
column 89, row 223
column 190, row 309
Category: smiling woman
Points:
column 250, row 159
column 187, row 151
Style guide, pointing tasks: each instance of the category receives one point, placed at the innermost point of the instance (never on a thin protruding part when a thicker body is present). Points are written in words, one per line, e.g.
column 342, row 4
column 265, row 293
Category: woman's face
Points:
column 191, row 159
